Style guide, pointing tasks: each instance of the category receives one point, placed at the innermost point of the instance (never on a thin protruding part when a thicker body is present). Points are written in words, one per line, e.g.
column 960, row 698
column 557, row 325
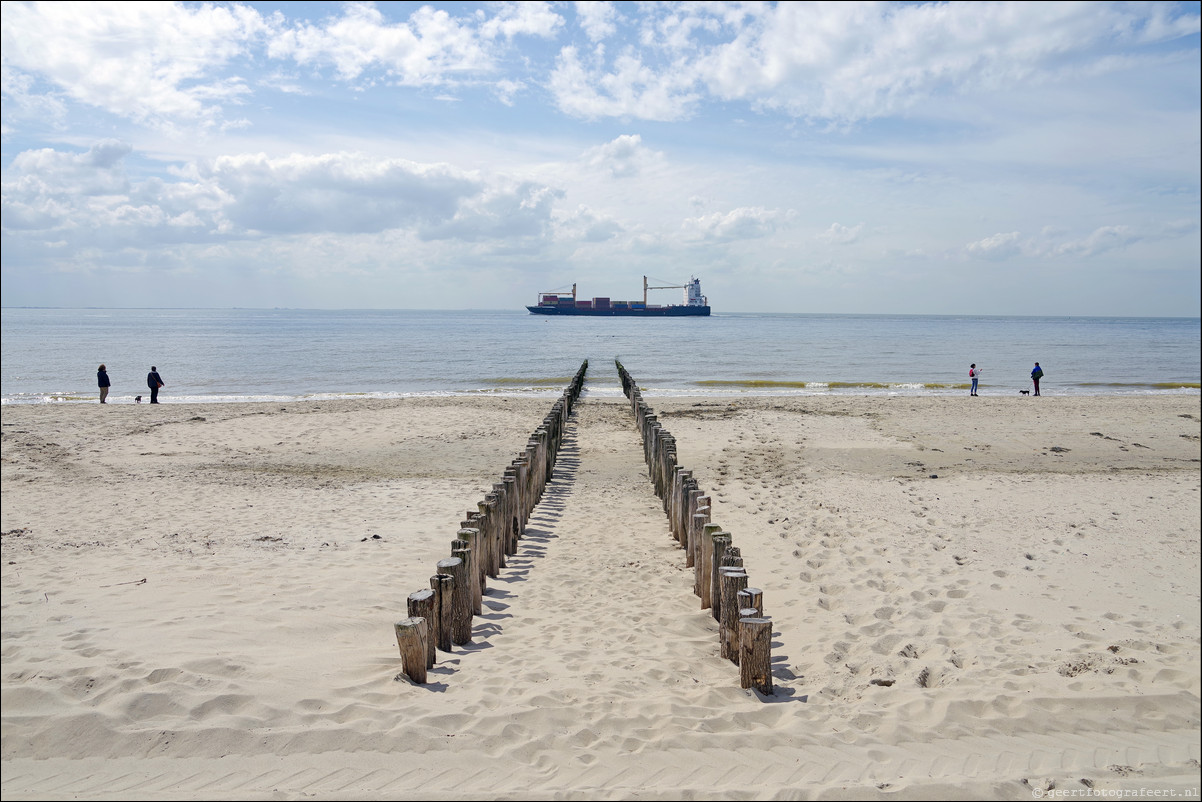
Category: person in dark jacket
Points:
column 1036, row 375
column 102, row 380
column 154, row 381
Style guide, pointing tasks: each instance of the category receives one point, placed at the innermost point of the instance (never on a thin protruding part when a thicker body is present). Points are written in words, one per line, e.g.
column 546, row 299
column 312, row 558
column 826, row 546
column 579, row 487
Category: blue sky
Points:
column 926, row 158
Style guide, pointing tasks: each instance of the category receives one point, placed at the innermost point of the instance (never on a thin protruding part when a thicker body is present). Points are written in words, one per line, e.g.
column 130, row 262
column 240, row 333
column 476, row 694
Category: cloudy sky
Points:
column 984, row 158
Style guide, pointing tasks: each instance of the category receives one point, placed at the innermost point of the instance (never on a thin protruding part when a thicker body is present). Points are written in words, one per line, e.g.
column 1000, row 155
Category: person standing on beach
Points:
column 974, row 374
column 102, row 380
column 1036, row 375
column 154, row 381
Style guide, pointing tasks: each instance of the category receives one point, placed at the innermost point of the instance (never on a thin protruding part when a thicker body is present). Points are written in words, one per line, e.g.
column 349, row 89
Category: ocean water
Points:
column 213, row 355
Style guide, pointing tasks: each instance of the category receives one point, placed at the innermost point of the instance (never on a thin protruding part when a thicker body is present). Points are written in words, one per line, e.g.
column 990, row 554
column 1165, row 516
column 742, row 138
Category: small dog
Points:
column 1020, row 392
column 138, row 399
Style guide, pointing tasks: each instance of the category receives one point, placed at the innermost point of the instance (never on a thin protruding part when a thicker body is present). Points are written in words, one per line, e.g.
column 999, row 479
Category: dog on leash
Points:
column 1020, row 392
column 137, row 399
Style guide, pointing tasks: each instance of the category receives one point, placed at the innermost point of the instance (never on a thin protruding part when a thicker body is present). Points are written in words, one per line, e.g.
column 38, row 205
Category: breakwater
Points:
column 440, row 617
column 720, row 580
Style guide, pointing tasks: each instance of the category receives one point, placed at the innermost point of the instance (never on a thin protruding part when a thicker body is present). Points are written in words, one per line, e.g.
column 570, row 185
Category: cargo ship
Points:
column 695, row 304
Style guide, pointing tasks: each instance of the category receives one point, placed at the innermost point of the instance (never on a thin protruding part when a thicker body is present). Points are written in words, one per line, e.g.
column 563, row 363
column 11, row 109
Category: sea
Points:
column 50, row 356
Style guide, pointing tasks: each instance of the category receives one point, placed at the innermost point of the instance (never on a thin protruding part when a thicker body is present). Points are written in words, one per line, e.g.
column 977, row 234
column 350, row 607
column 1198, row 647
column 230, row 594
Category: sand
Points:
column 988, row 598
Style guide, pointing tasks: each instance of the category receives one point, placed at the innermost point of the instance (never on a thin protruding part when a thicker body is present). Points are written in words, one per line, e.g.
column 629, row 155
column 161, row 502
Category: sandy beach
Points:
column 992, row 598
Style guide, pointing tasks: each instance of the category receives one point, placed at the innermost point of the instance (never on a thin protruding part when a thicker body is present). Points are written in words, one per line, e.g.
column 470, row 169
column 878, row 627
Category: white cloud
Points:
column 999, row 246
column 150, row 62
column 583, row 224
column 597, row 19
column 624, row 157
column 429, row 48
column 525, row 18
column 252, row 196
column 1101, row 240
column 737, row 224
column 1056, row 243
column 839, row 234
column 851, row 61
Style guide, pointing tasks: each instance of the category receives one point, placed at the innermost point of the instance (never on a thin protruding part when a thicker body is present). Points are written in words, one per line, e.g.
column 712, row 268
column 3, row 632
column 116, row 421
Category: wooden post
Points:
column 443, row 586
column 475, row 568
column 512, row 512
column 469, row 583
column 721, row 541
column 754, row 598
column 460, row 606
column 700, row 519
column 692, row 501
column 705, row 558
column 755, row 653
column 421, row 605
column 411, row 639
column 733, row 580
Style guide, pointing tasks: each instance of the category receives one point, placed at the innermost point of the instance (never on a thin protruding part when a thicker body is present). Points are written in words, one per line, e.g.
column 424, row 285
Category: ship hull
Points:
column 655, row 311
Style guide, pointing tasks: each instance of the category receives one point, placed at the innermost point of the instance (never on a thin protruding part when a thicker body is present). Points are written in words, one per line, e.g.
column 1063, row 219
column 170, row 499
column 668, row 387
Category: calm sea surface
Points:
column 210, row 355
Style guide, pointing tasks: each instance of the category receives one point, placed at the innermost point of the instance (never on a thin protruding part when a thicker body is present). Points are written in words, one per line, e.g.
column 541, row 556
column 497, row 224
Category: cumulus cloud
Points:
column 586, row 86
column 164, row 63
column 839, row 234
column 749, row 222
column 850, row 61
column 1101, row 240
column 623, row 157
column 252, row 195
column 152, row 62
column 430, row 47
column 502, row 212
column 584, row 224
column 1056, row 243
column 597, row 19
column 521, row 18
column 999, row 246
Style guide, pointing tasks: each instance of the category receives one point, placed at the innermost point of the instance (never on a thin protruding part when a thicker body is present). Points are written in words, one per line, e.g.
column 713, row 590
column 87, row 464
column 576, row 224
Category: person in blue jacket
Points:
column 1036, row 375
column 154, row 381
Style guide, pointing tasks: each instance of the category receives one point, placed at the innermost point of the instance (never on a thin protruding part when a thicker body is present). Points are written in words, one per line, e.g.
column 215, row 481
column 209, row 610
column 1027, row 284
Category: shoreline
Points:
column 611, row 390
column 976, row 599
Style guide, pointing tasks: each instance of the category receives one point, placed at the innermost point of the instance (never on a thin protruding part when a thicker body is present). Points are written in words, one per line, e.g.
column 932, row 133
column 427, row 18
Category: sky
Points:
column 848, row 157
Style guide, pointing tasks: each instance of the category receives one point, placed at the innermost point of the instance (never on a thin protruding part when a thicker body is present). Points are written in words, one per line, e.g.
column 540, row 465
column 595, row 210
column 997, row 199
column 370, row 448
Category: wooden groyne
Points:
column 440, row 617
column 719, row 578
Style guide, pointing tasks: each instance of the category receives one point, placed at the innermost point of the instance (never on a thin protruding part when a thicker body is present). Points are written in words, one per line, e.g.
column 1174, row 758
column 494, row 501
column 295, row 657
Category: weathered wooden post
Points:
column 411, row 639
column 674, row 489
column 700, row 518
column 755, row 653
column 513, row 513
column 421, row 605
column 721, row 541
column 443, row 586
column 733, row 580
column 471, row 537
column 461, row 604
column 704, row 564
column 488, row 539
column 753, row 598
column 692, row 501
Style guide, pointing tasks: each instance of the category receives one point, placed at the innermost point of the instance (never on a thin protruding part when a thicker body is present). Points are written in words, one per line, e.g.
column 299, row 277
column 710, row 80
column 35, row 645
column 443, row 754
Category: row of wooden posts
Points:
column 719, row 579
column 441, row 617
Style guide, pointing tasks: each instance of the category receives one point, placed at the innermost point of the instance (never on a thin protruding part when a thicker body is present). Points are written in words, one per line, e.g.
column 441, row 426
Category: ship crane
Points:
column 693, row 296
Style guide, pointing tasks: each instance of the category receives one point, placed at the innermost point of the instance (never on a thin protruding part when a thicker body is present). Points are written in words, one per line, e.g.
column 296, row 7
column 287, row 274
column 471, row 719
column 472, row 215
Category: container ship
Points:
column 695, row 304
